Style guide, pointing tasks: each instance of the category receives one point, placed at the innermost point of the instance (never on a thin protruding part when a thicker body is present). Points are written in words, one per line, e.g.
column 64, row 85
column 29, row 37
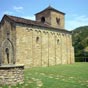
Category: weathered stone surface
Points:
column 7, row 40
column 52, row 48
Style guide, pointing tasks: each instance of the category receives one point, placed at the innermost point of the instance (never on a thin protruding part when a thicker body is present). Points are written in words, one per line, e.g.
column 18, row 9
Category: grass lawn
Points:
column 60, row 76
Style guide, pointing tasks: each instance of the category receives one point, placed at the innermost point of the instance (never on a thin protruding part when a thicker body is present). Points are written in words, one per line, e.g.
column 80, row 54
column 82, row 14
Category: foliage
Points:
column 80, row 42
column 60, row 76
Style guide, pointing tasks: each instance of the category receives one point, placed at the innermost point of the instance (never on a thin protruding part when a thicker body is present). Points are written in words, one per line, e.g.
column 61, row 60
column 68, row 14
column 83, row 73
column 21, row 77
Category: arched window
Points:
column 37, row 39
column 58, row 41
column 58, row 20
column 7, row 54
column 43, row 19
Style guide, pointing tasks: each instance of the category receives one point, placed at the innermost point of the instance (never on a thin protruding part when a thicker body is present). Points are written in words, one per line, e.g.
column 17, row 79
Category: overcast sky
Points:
column 76, row 10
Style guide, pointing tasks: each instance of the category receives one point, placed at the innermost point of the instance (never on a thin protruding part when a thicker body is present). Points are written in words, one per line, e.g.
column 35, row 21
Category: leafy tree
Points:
column 80, row 42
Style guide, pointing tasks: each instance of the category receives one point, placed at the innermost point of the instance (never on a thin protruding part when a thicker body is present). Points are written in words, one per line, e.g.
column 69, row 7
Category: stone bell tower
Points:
column 51, row 17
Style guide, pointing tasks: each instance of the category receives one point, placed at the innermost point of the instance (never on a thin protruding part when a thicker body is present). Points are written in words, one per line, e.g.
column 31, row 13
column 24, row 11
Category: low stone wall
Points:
column 11, row 74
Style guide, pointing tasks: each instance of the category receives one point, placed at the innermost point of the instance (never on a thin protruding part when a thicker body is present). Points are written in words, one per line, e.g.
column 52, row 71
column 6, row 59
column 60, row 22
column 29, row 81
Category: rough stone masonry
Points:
column 11, row 74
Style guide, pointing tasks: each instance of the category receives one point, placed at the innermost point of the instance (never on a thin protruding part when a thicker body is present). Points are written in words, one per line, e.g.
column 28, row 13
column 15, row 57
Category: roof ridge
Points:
column 50, row 8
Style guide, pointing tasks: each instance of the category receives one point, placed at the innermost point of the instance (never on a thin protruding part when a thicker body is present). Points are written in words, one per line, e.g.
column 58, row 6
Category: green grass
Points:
column 60, row 76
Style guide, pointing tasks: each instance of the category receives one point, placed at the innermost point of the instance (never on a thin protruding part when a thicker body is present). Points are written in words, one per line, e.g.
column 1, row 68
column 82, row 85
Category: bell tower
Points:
column 51, row 17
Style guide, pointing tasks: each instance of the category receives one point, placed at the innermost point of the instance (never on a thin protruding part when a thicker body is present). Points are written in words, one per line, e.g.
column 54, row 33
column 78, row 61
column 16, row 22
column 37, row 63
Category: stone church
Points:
column 43, row 42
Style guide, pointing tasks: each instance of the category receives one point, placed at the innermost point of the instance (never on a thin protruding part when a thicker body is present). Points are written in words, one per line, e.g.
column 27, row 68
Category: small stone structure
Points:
column 11, row 74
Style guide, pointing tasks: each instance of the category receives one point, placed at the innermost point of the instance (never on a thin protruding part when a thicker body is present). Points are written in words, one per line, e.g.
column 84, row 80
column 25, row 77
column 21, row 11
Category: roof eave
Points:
column 57, row 29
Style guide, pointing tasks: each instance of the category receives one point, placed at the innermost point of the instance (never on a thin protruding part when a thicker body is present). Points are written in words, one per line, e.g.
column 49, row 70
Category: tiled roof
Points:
column 26, row 21
column 31, row 22
column 52, row 9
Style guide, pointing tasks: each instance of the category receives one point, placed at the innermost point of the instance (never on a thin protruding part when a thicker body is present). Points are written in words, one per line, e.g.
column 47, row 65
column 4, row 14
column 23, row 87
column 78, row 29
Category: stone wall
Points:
column 11, row 75
column 36, row 46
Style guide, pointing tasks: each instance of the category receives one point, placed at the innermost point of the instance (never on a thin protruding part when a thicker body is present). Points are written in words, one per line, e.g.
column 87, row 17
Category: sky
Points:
column 76, row 10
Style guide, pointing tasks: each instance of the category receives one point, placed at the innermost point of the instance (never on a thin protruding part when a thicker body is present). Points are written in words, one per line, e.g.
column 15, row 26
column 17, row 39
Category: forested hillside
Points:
column 80, row 43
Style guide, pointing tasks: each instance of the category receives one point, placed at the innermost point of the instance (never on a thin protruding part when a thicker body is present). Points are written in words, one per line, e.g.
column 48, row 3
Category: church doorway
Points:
column 7, row 52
